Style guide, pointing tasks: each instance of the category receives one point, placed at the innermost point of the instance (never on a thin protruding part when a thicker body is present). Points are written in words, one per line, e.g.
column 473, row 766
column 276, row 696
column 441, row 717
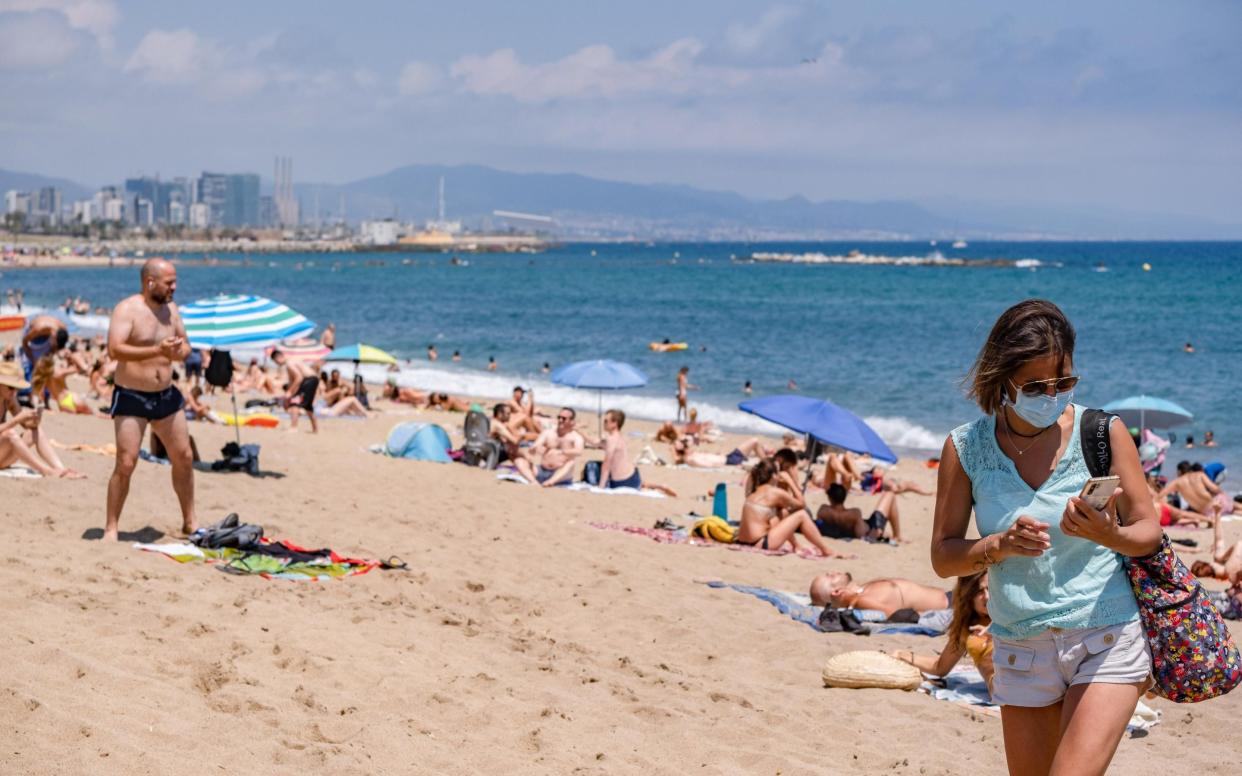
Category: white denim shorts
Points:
column 1038, row 670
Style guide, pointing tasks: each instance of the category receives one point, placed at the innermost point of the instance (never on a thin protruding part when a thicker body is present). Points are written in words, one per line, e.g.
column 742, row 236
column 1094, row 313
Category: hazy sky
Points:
column 1103, row 105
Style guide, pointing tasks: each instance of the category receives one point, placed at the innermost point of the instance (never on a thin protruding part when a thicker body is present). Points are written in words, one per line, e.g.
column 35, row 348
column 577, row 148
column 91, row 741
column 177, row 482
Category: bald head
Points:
column 159, row 280
column 824, row 585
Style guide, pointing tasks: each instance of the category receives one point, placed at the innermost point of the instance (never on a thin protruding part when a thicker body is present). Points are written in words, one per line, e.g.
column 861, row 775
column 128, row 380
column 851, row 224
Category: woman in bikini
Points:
column 762, row 526
column 968, row 632
column 50, row 377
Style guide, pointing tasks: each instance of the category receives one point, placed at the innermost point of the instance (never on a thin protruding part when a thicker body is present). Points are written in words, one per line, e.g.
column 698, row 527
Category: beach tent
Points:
column 418, row 442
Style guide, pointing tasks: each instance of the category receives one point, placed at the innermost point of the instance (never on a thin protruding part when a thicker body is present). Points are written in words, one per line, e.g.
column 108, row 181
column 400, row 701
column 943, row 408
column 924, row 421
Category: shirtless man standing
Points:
column 617, row 470
column 888, row 595
column 558, row 450
column 301, row 386
column 145, row 337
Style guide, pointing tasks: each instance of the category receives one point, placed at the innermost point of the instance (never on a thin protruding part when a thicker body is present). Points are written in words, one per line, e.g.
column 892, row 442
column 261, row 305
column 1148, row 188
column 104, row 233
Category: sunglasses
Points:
column 565, row 418
column 1060, row 384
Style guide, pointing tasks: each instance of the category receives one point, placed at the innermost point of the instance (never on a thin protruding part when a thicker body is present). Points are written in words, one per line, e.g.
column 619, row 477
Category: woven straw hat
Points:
column 868, row 668
column 11, row 375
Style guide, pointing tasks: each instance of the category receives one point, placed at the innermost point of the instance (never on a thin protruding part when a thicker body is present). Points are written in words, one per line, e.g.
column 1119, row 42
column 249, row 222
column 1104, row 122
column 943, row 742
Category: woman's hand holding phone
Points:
column 1083, row 521
column 1026, row 537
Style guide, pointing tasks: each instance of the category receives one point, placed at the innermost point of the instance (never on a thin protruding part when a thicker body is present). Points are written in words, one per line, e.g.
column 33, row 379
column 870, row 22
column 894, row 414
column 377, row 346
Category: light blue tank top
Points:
column 1076, row 583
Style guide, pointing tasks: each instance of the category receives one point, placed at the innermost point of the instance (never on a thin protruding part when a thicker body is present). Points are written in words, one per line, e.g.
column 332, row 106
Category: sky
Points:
column 1105, row 106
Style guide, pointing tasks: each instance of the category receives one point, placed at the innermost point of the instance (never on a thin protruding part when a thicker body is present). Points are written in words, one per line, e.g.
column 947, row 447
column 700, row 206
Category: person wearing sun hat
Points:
column 21, row 440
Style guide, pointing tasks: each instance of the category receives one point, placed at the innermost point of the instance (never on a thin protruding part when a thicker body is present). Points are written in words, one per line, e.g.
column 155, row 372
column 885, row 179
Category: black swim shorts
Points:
column 306, row 394
column 152, row 405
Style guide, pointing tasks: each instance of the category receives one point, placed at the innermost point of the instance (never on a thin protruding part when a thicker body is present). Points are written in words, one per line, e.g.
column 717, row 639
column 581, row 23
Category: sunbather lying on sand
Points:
column 1226, row 565
column 405, row 395
column 684, row 453
column 1171, row 515
column 837, row 588
column 771, row 517
column 968, row 632
column 1198, row 492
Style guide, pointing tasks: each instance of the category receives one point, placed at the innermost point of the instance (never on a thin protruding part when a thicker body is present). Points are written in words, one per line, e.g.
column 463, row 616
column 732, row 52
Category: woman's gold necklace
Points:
column 1014, row 444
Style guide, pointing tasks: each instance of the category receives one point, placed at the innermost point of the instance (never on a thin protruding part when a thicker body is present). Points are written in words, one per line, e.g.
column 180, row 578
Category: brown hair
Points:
column 964, row 614
column 618, row 417
column 762, row 474
column 1029, row 330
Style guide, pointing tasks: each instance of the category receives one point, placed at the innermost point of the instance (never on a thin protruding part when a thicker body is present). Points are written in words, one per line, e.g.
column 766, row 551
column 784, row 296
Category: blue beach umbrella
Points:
column 232, row 321
column 822, row 420
column 1149, row 412
column 602, row 375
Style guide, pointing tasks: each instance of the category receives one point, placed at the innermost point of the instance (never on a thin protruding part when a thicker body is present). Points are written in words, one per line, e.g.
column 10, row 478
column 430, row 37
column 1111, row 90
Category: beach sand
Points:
column 520, row 640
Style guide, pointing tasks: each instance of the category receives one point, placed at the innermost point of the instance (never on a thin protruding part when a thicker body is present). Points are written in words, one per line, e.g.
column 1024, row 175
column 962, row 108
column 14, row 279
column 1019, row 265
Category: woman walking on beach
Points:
column 1071, row 658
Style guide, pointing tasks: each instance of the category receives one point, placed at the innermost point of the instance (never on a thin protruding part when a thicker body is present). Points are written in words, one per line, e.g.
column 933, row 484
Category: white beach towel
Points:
column 582, row 487
column 19, row 472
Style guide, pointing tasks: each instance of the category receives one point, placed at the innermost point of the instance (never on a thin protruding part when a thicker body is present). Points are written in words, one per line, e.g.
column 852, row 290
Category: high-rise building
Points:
column 200, row 215
column 284, row 201
column 45, row 206
column 232, row 200
column 17, row 202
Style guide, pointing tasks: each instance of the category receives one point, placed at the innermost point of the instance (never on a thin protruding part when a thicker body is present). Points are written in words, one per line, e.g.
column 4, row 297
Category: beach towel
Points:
column 681, row 536
column 276, row 560
column 20, row 472
column 509, row 475
column 798, row 607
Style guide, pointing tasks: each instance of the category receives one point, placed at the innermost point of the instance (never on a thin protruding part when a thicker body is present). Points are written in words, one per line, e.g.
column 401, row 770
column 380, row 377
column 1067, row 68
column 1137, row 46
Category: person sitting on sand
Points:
column 841, row 522
column 699, row 430
column 968, row 632
column 333, row 387
column 1197, row 492
column 346, row 406
column 197, row 409
column 684, row 454
column 256, row 378
column 1171, row 515
column 837, row 589
column 787, row 476
column 522, row 411
column 21, row 438
column 762, row 524
column 558, row 449
column 50, row 376
column 510, row 441
column 1226, row 566
column 301, row 386
column 617, row 471
column 840, row 467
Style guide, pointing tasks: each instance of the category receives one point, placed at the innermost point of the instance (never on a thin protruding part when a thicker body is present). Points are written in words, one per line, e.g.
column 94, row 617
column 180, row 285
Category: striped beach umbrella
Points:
column 234, row 321
column 302, row 351
column 361, row 354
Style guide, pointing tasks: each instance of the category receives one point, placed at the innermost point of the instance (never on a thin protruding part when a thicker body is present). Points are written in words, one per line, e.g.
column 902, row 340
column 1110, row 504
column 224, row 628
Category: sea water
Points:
column 891, row 342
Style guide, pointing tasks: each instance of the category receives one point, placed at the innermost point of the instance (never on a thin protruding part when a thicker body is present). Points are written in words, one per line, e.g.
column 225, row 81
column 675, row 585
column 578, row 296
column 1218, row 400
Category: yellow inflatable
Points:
column 667, row 347
column 258, row 419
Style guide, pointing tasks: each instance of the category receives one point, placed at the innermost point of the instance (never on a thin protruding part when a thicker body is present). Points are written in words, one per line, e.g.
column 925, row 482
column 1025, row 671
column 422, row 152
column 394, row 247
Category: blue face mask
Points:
column 1040, row 411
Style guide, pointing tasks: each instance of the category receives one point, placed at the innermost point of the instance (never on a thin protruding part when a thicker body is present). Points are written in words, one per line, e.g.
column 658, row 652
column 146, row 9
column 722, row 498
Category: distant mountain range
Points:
column 585, row 208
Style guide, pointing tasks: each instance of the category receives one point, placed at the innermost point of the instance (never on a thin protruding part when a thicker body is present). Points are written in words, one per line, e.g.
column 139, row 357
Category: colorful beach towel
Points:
column 680, row 536
column 326, row 565
column 798, row 607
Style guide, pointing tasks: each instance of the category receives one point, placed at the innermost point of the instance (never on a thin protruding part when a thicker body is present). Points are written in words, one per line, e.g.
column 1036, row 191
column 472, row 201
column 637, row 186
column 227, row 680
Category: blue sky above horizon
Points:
column 1103, row 106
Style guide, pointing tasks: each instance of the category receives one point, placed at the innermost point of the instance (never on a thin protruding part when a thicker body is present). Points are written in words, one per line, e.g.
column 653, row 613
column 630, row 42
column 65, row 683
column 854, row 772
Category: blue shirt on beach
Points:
column 1076, row 583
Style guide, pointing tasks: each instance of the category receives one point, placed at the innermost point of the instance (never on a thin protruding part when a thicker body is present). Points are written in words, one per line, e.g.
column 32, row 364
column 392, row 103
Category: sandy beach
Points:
column 520, row 640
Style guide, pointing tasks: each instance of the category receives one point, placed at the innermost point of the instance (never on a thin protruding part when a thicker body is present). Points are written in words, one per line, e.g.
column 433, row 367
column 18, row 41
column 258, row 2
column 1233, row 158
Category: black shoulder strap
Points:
column 1097, row 447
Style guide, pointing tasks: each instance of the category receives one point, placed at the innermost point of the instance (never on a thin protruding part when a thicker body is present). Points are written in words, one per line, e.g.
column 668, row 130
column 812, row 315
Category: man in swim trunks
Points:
column 301, row 385
column 557, row 450
column 146, row 336
column 617, row 470
column 837, row 588
column 684, row 454
column 838, row 521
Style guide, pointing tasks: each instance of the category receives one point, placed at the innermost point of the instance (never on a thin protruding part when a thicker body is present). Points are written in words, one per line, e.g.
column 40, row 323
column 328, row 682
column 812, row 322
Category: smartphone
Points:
column 1099, row 490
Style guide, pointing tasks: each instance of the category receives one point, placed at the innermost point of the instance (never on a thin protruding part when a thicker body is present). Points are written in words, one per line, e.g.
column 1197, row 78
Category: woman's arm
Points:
column 936, row 666
column 1128, row 524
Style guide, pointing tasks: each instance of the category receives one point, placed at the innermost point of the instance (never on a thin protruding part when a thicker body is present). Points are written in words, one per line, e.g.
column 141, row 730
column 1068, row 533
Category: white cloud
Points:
column 745, row 39
column 594, row 72
column 35, row 41
column 173, row 57
column 97, row 17
column 418, row 78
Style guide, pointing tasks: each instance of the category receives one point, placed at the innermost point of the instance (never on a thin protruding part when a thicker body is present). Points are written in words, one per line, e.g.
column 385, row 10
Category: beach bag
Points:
column 714, row 529
column 220, row 370
column 591, row 473
column 1193, row 655
column 229, row 532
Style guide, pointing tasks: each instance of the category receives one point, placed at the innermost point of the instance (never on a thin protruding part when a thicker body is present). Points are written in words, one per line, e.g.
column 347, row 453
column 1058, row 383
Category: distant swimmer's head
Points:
column 1026, row 363
column 823, row 586
column 159, row 281
column 685, row 370
column 836, row 493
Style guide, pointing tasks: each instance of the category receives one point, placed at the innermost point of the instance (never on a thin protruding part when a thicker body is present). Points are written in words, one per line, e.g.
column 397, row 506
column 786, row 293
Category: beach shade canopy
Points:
column 228, row 322
column 361, row 354
column 1149, row 412
column 418, row 442
column 822, row 420
column 602, row 375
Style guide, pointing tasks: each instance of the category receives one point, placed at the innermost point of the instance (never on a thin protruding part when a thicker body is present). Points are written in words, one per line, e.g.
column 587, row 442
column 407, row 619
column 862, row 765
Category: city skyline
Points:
column 1114, row 106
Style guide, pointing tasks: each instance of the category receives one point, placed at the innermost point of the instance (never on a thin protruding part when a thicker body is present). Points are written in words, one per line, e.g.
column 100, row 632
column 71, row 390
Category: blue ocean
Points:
column 890, row 342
